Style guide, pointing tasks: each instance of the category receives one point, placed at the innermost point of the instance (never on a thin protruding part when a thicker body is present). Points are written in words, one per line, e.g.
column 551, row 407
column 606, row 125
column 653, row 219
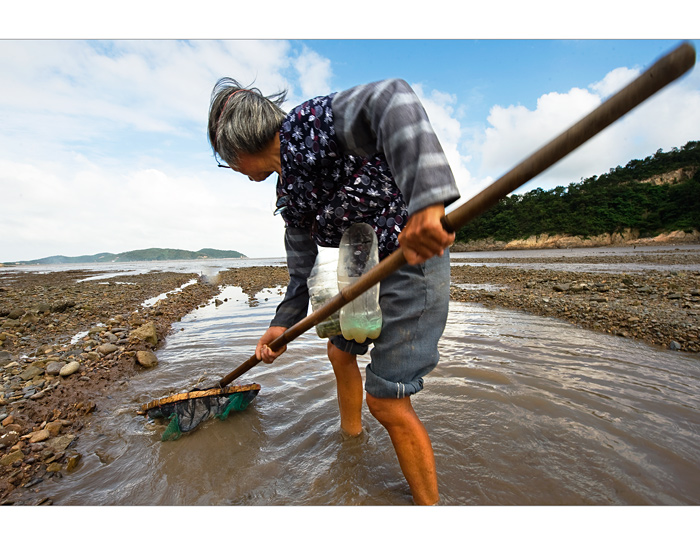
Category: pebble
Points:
column 9, row 439
column 146, row 358
column 107, row 348
column 38, row 436
column 59, row 444
column 147, row 333
column 54, row 368
column 30, row 372
column 69, row 368
column 72, row 461
column 12, row 458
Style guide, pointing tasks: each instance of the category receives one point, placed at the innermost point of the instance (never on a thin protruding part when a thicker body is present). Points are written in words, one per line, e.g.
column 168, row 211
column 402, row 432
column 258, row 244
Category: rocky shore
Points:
column 67, row 340
column 655, row 306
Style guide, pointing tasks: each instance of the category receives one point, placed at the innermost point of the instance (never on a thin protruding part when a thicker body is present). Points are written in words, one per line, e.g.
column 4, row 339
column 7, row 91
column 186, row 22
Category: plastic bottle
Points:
column 361, row 318
column 323, row 285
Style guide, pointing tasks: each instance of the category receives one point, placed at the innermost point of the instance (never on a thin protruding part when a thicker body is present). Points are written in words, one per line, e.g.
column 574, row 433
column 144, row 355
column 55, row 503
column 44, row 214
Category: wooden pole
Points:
column 664, row 71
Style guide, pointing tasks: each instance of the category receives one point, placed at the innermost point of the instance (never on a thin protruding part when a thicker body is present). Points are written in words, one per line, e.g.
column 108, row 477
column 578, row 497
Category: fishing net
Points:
column 186, row 411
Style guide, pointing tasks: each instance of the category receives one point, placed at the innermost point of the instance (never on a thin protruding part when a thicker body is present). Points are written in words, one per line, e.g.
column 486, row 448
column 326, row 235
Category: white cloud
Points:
column 314, row 73
column 103, row 144
column 80, row 208
column 70, row 109
column 614, row 81
column 668, row 119
column 440, row 108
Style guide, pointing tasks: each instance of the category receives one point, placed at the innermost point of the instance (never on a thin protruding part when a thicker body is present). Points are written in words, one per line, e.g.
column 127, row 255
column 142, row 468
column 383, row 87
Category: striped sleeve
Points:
column 387, row 117
column 301, row 256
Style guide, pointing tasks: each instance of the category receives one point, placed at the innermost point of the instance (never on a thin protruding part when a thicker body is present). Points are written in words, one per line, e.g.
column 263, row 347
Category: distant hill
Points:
column 150, row 254
column 651, row 196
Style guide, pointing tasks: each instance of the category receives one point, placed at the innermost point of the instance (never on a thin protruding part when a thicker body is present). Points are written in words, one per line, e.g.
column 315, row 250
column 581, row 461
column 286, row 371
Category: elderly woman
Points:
column 368, row 154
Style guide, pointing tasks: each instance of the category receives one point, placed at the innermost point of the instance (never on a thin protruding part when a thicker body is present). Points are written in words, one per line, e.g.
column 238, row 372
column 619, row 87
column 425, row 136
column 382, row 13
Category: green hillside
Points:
column 655, row 195
column 150, row 254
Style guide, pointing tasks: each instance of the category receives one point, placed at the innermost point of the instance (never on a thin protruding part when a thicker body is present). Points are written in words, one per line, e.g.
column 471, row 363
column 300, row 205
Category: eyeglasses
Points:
column 220, row 165
column 281, row 204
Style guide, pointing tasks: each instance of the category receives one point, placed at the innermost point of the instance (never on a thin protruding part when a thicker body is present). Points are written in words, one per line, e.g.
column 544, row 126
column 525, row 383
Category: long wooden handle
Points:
column 661, row 73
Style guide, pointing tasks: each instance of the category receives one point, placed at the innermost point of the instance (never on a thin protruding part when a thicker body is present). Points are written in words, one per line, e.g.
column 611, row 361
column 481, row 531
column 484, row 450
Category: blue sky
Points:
column 103, row 142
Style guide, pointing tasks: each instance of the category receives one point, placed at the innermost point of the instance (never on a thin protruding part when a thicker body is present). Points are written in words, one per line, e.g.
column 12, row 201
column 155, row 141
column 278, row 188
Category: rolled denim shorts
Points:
column 414, row 302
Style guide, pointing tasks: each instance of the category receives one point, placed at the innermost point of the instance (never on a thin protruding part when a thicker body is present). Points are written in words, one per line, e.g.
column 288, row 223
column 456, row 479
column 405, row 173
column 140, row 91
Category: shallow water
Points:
column 522, row 410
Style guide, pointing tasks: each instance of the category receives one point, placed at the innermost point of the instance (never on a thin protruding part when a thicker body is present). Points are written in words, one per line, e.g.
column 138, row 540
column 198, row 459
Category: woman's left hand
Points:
column 424, row 236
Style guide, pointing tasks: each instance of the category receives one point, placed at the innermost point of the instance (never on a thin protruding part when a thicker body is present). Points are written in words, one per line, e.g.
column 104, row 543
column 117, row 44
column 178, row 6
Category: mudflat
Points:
column 66, row 342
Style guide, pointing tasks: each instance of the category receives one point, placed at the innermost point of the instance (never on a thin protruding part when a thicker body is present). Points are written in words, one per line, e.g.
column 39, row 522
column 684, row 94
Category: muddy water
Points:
column 522, row 410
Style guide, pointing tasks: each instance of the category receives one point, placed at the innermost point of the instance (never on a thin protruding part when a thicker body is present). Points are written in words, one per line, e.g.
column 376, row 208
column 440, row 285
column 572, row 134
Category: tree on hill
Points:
column 621, row 199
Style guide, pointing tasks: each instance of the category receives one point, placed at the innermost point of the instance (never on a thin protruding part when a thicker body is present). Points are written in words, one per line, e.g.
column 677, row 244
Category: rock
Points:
column 54, row 428
column 674, row 345
column 92, row 356
column 30, row 372
column 218, row 302
column 69, row 368
column 10, row 459
column 62, row 306
column 54, row 368
column 147, row 333
column 5, row 356
column 107, row 348
column 54, row 467
column 8, row 420
column 8, row 439
column 562, row 287
column 73, row 461
column 59, row 444
column 146, row 358
column 16, row 314
column 13, row 427
column 38, row 436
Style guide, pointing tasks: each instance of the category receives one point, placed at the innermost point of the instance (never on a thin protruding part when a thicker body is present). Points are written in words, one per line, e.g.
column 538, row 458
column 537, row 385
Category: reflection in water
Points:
column 522, row 410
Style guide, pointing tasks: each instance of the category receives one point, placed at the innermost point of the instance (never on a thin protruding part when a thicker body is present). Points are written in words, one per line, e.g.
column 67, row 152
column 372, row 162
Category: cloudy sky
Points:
column 103, row 141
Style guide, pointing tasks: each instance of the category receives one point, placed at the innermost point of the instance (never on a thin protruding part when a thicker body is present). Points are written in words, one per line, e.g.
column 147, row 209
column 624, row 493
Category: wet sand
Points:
column 40, row 314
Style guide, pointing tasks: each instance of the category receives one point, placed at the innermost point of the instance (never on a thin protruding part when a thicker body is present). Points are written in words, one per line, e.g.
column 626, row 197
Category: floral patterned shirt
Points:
column 367, row 154
column 325, row 191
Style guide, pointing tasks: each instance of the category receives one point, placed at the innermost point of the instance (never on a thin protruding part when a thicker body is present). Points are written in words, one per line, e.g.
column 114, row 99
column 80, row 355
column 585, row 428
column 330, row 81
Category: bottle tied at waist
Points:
column 361, row 318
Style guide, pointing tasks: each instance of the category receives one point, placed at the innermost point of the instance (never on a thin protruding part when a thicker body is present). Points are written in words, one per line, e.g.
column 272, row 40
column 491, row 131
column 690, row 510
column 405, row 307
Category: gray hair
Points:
column 242, row 122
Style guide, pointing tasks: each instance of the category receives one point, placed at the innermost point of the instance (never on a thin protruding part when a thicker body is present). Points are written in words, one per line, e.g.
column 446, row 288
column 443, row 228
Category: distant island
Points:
column 150, row 254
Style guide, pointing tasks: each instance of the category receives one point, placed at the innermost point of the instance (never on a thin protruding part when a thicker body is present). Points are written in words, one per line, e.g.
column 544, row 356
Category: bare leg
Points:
column 411, row 443
column 349, row 387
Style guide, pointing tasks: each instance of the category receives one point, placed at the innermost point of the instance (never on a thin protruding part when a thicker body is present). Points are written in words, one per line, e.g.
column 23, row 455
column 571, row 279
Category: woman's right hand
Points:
column 263, row 351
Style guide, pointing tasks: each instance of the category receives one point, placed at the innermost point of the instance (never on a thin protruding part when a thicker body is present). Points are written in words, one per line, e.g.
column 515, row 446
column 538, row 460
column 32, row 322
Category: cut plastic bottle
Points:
column 361, row 318
column 323, row 285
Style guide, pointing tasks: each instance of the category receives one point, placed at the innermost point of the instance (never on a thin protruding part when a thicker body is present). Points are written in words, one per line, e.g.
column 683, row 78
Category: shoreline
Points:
column 51, row 323
column 41, row 313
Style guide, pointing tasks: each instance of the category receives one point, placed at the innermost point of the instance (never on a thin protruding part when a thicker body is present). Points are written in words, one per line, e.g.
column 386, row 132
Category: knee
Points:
column 376, row 406
column 339, row 358
column 388, row 411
